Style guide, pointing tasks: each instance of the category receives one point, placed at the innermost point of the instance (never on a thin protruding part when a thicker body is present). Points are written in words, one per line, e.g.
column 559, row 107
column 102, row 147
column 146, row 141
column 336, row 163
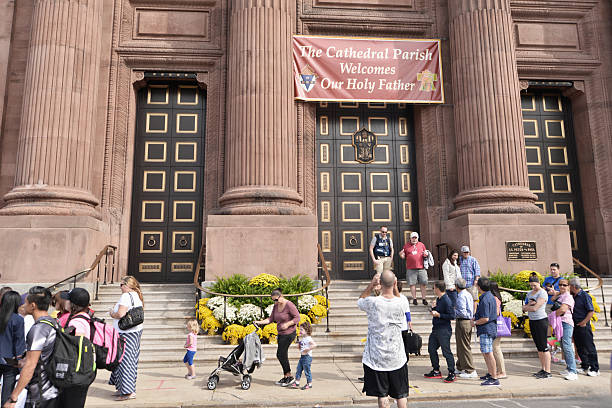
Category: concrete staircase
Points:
column 168, row 306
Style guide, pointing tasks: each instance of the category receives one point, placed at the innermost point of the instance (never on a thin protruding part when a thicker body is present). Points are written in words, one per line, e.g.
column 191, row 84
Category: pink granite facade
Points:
column 71, row 71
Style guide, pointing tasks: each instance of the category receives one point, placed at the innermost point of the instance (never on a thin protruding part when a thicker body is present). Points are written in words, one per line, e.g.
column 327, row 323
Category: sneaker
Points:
column 361, row 379
column 571, row 376
column 450, row 378
column 190, row 377
column 433, row 374
column 307, row 387
column 425, row 302
column 539, row 373
column 580, row 371
column 281, row 381
column 288, row 381
column 563, row 373
column 593, row 373
column 544, row 375
column 486, row 377
column 295, row 385
column 459, row 372
column 490, row 381
column 473, row 374
column 415, row 302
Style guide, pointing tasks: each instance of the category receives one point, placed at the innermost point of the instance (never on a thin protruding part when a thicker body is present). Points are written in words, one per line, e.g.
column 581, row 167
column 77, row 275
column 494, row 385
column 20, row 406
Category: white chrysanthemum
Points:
column 268, row 310
column 506, row 297
column 215, row 302
column 306, row 302
column 230, row 313
column 248, row 313
column 515, row 306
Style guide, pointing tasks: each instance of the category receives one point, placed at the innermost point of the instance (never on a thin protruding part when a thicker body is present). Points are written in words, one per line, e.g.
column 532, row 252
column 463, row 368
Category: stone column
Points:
column 491, row 162
column 54, row 158
column 261, row 145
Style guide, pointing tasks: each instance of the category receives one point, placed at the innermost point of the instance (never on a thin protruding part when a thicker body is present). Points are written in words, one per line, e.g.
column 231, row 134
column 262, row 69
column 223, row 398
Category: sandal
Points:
column 125, row 397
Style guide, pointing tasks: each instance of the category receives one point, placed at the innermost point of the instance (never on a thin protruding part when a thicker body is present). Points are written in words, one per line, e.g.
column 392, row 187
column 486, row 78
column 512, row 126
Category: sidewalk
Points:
column 333, row 383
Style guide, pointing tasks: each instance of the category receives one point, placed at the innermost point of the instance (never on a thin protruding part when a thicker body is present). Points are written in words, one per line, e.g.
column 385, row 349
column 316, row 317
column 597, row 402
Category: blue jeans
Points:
column 568, row 349
column 304, row 364
column 452, row 295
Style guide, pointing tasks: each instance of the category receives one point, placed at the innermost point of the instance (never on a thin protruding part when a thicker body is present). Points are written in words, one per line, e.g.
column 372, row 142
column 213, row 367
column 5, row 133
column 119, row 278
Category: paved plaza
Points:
column 336, row 384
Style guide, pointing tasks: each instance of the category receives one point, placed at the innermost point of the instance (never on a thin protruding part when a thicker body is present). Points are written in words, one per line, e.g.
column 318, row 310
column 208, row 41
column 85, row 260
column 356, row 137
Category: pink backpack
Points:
column 109, row 346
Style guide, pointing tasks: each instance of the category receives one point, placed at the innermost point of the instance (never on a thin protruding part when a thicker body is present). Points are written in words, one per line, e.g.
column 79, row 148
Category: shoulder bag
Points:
column 133, row 317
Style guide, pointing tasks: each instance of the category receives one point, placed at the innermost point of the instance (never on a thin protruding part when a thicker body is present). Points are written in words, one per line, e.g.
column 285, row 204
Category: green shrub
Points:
column 507, row 280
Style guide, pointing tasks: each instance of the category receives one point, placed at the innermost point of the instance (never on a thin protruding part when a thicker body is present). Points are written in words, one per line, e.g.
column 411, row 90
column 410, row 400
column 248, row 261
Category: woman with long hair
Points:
column 286, row 316
column 451, row 271
column 497, row 352
column 12, row 342
column 124, row 376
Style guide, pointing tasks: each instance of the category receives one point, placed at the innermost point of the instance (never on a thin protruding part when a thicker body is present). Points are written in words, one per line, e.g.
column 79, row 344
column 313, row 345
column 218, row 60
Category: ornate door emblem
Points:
column 364, row 143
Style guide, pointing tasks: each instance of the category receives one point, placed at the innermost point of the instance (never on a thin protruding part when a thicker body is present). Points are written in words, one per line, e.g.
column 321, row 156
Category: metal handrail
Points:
column 600, row 283
column 324, row 287
column 108, row 249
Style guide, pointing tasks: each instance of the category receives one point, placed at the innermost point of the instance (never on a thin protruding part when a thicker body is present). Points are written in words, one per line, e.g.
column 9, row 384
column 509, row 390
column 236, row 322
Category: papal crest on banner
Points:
column 307, row 78
column 364, row 143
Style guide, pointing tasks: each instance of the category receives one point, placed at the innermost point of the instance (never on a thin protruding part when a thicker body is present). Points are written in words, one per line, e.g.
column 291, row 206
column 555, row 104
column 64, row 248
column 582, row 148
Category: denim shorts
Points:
column 189, row 355
column 486, row 343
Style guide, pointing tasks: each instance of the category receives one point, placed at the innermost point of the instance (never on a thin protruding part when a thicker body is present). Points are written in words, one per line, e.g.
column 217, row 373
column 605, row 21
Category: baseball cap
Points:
column 414, row 234
column 77, row 296
column 465, row 248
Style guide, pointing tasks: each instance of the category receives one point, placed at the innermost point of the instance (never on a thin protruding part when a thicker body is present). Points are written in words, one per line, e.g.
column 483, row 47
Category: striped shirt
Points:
column 469, row 270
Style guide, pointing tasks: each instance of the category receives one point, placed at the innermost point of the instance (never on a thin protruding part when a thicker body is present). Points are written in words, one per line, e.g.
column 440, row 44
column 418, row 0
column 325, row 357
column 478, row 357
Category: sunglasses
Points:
column 275, row 300
column 563, row 284
column 383, row 232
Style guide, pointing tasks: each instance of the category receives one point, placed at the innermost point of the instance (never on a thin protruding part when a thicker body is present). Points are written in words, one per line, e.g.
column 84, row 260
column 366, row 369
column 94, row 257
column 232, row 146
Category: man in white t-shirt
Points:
column 384, row 359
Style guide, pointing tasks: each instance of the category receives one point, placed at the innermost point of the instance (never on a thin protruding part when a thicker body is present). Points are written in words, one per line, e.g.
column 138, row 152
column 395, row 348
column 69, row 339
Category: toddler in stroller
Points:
column 253, row 358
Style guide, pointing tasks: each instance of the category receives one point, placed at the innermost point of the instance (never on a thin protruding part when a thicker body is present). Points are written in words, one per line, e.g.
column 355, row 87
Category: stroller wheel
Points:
column 246, row 382
column 212, row 382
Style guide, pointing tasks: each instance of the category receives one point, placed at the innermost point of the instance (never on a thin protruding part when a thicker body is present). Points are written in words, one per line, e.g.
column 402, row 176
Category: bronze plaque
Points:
column 364, row 143
column 521, row 251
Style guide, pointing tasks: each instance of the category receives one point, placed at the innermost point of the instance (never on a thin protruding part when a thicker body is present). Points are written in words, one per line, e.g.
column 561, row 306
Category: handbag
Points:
column 503, row 326
column 556, row 305
column 133, row 317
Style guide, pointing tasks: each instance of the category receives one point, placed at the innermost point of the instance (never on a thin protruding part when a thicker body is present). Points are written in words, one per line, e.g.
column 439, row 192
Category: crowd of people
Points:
column 28, row 334
column 473, row 302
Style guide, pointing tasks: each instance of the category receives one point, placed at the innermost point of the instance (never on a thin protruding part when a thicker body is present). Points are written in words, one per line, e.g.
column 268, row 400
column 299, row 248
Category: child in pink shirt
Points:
column 192, row 346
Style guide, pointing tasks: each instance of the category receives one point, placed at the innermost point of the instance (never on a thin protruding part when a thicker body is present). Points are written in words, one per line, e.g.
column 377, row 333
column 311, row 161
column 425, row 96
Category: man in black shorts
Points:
column 384, row 361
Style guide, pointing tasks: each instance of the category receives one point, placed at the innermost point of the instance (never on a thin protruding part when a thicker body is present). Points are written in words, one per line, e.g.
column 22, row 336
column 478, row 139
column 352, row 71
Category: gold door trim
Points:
column 546, row 108
column 185, row 190
column 326, row 241
column 146, row 267
column 323, row 125
column 179, row 96
column 344, row 190
column 325, row 211
column 353, row 265
column 180, row 116
column 533, row 103
column 537, row 149
column 570, row 204
column 535, row 126
column 348, row 133
column 190, row 249
column 353, row 233
column 149, row 102
column 389, row 212
column 552, row 182
column 541, row 177
column 150, row 242
column 195, row 152
column 406, row 183
column 344, row 219
column 561, row 124
column 407, row 211
column 403, row 126
column 324, row 153
column 563, row 149
column 145, row 181
column 386, row 190
column 542, row 205
column 181, row 267
column 143, row 209
column 193, row 206
column 148, row 159
column 148, row 124
column 386, row 148
column 325, row 182
column 352, row 155
column 404, row 154
column 386, row 133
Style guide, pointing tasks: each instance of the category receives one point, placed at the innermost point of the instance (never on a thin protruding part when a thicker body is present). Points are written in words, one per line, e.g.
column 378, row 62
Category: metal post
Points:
column 603, row 300
column 74, row 282
column 97, row 281
column 224, row 310
column 113, row 267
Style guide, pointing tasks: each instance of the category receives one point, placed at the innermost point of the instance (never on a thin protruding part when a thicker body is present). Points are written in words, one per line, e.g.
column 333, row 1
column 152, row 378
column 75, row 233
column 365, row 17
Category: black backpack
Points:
column 73, row 362
column 412, row 342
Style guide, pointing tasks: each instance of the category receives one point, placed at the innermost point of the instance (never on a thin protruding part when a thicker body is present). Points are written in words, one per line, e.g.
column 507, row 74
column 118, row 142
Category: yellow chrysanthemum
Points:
column 595, row 304
column 248, row 329
column 322, row 300
column 526, row 327
column 592, row 325
column 317, row 313
column 270, row 332
column 210, row 325
column 233, row 333
column 523, row 276
column 203, row 312
column 266, row 280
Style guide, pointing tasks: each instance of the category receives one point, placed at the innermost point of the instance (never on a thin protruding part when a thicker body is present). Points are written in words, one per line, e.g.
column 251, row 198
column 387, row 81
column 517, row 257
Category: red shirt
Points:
column 414, row 255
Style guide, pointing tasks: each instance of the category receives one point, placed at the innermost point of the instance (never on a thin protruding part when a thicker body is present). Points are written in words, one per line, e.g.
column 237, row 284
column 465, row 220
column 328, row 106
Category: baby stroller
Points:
column 251, row 347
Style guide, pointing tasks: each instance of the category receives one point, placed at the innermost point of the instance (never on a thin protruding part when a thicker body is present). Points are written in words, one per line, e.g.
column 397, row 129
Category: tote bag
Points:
column 503, row 326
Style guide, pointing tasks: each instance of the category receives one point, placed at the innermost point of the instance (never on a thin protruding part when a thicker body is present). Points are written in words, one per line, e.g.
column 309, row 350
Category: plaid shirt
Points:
column 469, row 270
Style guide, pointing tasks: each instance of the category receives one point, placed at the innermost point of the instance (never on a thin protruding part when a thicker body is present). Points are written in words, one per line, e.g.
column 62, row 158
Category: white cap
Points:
column 465, row 248
column 414, row 234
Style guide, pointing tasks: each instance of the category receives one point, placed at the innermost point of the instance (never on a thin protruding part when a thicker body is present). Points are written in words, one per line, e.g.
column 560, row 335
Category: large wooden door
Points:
column 167, row 195
column 551, row 161
column 355, row 199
